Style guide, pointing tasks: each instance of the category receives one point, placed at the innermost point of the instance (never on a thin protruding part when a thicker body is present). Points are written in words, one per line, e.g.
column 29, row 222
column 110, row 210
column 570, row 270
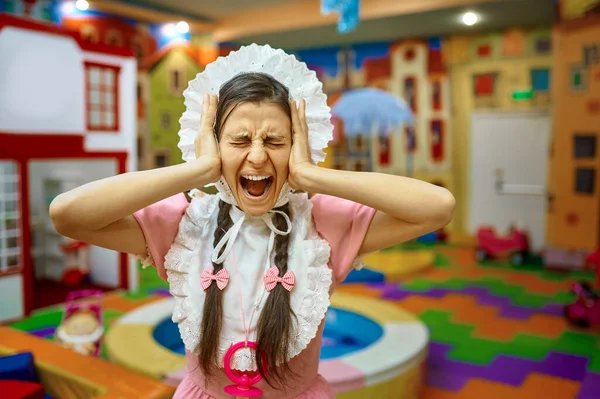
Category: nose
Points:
column 258, row 154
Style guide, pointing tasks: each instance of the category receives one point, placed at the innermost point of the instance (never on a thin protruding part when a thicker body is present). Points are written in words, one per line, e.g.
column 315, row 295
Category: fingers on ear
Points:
column 302, row 114
column 296, row 125
column 209, row 109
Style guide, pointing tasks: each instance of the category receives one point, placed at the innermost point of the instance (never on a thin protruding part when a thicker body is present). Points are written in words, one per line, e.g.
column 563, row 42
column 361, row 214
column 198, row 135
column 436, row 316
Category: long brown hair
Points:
column 275, row 323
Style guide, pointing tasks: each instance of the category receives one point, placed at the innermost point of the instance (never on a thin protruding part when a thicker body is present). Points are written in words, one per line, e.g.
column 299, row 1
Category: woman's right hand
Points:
column 205, row 143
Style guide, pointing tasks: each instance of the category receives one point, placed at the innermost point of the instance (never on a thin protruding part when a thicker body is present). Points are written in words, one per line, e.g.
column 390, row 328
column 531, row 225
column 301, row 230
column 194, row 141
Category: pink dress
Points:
column 342, row 223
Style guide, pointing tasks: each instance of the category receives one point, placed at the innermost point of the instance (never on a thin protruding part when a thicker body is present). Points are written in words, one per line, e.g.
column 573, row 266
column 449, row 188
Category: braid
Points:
column 213, row 302
column 275, row 323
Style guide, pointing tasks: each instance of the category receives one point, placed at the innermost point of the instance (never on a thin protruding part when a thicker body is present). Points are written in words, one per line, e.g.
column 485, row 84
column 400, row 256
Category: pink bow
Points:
column 221, row 277
column 272, row 278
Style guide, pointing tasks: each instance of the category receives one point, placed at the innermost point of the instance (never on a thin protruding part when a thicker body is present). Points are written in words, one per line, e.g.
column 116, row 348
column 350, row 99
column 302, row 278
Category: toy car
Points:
column 585, row 311
column 514, row 246
column 592, row 262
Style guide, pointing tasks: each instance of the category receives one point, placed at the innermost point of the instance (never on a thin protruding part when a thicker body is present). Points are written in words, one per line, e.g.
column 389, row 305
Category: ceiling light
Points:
column 470, row 18
column 182, row 27
column 82, row 5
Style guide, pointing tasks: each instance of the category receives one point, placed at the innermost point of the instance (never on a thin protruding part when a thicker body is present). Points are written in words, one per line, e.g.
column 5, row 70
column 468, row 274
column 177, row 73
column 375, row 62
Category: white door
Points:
column 509, row 160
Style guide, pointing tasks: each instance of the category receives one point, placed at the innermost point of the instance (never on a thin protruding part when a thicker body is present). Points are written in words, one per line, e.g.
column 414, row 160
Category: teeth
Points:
column 255, row 177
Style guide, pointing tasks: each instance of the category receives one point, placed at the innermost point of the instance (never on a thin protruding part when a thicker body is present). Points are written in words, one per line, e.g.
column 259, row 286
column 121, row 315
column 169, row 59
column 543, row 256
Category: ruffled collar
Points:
column 192, row 252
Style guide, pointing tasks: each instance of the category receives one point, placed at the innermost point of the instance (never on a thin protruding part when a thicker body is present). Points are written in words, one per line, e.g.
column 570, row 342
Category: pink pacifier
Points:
column 243, row 384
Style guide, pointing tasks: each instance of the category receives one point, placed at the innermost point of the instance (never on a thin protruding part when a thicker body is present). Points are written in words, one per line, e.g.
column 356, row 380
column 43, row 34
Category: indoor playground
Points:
column 498, row 101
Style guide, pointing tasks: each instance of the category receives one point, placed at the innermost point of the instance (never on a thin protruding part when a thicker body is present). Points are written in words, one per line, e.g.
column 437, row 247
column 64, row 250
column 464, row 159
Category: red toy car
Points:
column 592, row 262
column 514, row 246
column 585, row 311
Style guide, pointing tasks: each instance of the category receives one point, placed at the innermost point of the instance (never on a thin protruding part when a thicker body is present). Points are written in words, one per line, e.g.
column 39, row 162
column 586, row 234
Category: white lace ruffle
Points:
column 358, row 263
column 145, row 259
column 295, row 75
column 308, row 258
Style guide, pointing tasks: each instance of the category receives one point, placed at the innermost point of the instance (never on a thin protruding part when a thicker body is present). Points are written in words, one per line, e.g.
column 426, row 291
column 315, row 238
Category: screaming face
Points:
column 255, row 143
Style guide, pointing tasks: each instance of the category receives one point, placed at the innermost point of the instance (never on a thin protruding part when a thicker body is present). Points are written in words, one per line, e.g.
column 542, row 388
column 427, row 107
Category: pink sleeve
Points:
column 160, row 223
column 344, row 224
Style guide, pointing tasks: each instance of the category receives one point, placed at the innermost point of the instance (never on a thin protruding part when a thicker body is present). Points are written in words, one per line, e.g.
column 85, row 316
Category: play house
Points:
column 67, row 117
column 574, row 197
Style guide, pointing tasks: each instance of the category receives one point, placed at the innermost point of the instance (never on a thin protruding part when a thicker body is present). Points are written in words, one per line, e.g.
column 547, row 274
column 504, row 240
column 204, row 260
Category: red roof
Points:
column 40, row 26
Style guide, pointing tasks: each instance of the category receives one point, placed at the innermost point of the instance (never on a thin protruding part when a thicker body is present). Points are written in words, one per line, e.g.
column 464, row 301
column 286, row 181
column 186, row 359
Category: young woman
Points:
column 252, row 268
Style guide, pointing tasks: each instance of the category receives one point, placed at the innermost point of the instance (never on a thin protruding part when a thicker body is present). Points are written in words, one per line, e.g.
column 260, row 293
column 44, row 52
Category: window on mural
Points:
column 584, row 146
column 540, row 80
column 578, row 78
column 360, row 165
column 543, row 45
column 584, row 180
column 102, row 91
column 161, row 160
column 177, row 80
column 165, row 120
column 10, row 234
column 360, row 143
column 484, row 85
column 591, row 55
column 410, row 95
column 437, row 95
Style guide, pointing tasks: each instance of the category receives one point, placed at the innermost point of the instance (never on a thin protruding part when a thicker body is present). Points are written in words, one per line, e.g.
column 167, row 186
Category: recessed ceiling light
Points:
column 82, row 5
column 182, row 27
column 470, row 18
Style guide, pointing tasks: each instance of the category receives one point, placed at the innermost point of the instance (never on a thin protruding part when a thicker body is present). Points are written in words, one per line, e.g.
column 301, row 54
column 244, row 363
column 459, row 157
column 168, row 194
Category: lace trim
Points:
column 358, row 263
column 190, row 246
column 145, row 259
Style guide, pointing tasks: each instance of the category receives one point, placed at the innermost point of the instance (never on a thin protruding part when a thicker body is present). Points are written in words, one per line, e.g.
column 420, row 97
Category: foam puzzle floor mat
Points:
column 496, row 330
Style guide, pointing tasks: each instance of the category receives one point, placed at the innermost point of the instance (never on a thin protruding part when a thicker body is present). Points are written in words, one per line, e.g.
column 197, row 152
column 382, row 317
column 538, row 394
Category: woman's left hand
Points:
column 300, row 159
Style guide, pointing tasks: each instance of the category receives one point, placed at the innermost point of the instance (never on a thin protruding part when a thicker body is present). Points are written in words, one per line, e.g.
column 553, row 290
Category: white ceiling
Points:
column 497, row 14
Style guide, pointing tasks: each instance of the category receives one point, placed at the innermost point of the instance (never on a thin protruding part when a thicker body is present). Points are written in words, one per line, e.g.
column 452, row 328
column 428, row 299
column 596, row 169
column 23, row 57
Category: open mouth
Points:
column 256, row 186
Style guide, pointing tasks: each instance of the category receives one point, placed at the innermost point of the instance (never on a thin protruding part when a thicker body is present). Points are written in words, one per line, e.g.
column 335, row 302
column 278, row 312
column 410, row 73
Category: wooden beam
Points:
column 307, row 14
column 148, row 15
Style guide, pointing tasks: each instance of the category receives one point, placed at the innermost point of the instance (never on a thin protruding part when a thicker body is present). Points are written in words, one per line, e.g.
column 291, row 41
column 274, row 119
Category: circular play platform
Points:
column 371, row 348
column 393, row 266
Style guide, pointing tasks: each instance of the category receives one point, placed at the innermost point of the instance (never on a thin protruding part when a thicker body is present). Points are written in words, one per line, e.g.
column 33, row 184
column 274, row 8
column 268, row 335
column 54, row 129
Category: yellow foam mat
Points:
column 399, row 265
column 134, row 347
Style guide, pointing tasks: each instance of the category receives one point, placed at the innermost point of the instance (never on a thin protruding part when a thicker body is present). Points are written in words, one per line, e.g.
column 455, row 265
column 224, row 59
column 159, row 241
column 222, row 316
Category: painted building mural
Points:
column 415, row 71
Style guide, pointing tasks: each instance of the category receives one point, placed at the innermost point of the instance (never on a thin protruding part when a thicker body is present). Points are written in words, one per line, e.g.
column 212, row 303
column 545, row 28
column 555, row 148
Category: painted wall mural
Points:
column 415, row 71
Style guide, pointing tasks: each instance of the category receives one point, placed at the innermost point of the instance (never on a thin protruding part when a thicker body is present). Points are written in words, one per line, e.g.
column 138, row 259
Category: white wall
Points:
column 41, row 81
column 104, row 263
column 11, row 297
